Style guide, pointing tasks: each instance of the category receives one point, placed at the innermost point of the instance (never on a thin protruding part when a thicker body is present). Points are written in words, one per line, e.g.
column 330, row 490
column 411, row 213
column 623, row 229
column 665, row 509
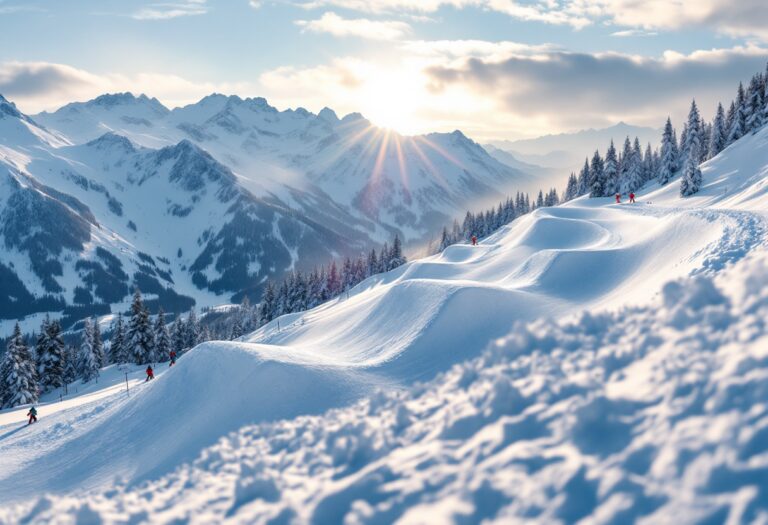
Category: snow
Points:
column 590, row 361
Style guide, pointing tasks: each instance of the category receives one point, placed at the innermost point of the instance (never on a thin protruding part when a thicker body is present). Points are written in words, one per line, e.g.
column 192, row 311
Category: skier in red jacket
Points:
column 474, row 240
column 172, row 355
column 150, row 373
column 618, row 198
column 631, row 197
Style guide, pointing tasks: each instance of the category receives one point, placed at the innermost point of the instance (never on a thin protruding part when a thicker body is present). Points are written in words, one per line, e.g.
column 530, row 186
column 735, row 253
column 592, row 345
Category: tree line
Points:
column 628, row 170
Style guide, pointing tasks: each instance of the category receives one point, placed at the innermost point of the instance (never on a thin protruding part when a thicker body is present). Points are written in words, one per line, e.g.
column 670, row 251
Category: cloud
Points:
column 633, row 32
column 256, row 4
column 743, row 18
column 165, row 11
column 360, row 27
column 563, row 90
column 38, row 86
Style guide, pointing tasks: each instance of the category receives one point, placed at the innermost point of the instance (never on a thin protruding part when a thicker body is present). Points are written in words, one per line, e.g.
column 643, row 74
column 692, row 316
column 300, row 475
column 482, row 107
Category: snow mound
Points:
column 634, row 415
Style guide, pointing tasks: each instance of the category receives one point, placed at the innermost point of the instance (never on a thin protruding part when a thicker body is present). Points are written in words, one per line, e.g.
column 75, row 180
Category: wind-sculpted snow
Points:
column 649, row 414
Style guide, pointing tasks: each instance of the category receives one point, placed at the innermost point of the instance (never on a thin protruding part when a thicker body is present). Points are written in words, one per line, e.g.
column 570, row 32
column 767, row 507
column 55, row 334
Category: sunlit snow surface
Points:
column 442, row 392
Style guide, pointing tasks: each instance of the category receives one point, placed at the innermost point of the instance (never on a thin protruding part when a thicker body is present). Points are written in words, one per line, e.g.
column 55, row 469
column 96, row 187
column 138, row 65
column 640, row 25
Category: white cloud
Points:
column 633, row 32
column 359, row 27
column 164, row 11
column 38, row 86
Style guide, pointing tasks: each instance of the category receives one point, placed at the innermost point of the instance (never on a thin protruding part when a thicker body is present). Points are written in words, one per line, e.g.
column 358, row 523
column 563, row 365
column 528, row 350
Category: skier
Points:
column 32, row 415
column 631, row 197
column 474, row 240
column 618, row 198
column 172, row 355
column 150, row 373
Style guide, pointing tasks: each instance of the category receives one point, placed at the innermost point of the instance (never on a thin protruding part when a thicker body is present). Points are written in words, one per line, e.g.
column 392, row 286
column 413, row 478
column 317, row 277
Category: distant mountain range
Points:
column 204, row 203
column 566, row 151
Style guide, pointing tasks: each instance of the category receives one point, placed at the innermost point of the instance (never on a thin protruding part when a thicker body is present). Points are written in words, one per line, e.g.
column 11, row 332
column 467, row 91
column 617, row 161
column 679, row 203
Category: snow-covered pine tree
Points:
column 583, row 179
column 611, row 171
column 139, row 336
column 596, row 176
column 89, row 365
column 98, row 344
column 624, row 165
column 117, row 354
column 397, row 258
column 50, row 356
column 192, row 330
column 268, row 300
column 445, row 240
column 572, row 189
column 754, row 105
column 668, row 155
column 692, row 178
column 648, row 164
column 71, row 363
column 18, row 377
column 179, row 335
column 718, row 136
column 633, row 178
column 41, row 347
column 540, row 200
column 738, row 127
column 163, row 345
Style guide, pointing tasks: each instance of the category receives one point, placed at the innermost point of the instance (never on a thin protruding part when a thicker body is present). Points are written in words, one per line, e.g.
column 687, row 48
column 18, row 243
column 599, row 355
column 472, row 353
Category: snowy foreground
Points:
column 442, row 391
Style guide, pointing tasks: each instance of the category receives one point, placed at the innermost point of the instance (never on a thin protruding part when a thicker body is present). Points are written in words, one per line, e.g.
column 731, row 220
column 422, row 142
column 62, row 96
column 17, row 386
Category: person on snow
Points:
column 172, row 355
column 474, row 240
column 618, row 198
column 32, row 415
column 150, row 373
column 631, row 197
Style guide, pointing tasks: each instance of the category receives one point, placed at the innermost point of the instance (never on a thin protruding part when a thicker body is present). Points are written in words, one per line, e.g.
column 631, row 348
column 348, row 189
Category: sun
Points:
column 391, row 100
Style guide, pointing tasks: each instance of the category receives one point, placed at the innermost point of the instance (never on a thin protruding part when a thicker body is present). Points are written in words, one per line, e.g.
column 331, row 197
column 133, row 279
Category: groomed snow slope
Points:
column 406, row 326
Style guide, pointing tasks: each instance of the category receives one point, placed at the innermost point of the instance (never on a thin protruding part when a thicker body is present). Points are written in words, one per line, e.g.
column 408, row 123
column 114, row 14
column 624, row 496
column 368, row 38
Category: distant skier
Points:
column 618, row 198
column 172, row 355
column 32, row 415
column 150, row 373
column 631, row 197
column 474, row 240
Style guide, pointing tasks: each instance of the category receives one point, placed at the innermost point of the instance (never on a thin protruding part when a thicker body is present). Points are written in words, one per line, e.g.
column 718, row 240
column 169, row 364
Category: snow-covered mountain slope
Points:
column 448, row 447
column 82, row 224
column 643, row 415
column 384, row 181
column 202, row 204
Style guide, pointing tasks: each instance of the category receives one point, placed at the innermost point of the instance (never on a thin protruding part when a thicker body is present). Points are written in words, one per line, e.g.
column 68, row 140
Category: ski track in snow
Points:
column 376, row 407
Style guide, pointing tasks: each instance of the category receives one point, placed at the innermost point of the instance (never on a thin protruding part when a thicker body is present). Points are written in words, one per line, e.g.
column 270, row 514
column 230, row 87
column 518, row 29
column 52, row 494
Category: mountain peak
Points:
column 110, row 140
column 113, row 100
column 328, row 115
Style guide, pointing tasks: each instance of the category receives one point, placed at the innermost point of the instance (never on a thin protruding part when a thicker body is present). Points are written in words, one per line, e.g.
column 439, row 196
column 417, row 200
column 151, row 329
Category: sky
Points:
column 496, row 69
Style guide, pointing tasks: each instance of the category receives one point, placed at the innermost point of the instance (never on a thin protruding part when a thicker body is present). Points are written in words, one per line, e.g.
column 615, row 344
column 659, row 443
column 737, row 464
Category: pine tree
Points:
column 98, row 344
column 179, row 336
column 540, row 200
column 71, row 360
column 117, row 354
column 596, row 176
column 89, row 366
column 397, row 258
column 648, row 167
column 611, row 171
column 162, row 339
column 192, row 330
column 692, row 178
column 584, row 187
column 668, row 155
column 268, row 303
column 139, row 336
column 572, row 189
column 333, row 283
column 738, row 127
column 754, row 105
column 18, row 378
column 633, row 177
column 445, row 240
column 50, row 356
column 718, row 137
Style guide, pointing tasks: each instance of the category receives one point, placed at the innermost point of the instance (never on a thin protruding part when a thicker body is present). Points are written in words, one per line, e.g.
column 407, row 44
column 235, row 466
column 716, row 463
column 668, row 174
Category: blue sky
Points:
column 493, row 68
